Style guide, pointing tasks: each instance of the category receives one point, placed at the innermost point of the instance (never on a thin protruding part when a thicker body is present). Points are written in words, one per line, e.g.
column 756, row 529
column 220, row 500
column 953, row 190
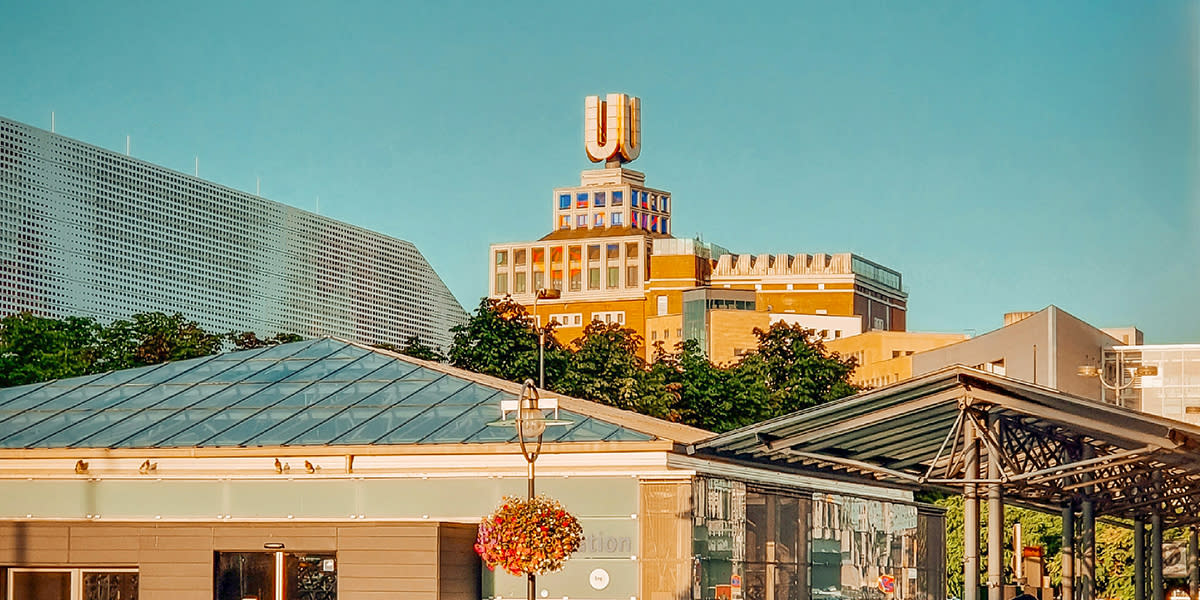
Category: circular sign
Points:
column 887, row 584
column 598, row 579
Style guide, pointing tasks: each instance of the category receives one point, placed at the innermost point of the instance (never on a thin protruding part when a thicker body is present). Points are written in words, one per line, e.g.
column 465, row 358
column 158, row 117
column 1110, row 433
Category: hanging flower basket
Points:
column 524, row 536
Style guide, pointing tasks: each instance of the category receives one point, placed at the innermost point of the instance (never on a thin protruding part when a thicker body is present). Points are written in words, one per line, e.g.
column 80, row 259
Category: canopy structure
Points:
column 971, row 430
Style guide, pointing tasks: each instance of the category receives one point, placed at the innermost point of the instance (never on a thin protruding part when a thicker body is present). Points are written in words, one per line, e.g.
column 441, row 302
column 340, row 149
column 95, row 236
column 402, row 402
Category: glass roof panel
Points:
column 27, row 410
column 11, row 393
column 472, row 422
column 365, row 365
column 396, row 369
column 103, row 412
column 126, row 375
column 240, row 355
column 423, row 424
column 315, row 412
column 360, row 430
column 628, row 435
column 155, row 434
column 19, row 402
column 275, row 352
column 235, row 372
column 320, row 369
column 270, row 395
column 207, row 422
column 436, row 392
column 586, row 430
column 173, row 369
column 320, row 425
column 52, row 422
column 281, row 370
column 329, row 348
column 136, row 421
column 274, row 415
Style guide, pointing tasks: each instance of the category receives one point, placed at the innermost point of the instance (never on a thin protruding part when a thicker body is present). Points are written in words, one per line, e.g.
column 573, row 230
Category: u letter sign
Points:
column 612, row 128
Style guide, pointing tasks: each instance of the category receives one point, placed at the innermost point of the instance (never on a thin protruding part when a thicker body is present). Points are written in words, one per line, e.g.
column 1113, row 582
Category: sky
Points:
column 1003, row 156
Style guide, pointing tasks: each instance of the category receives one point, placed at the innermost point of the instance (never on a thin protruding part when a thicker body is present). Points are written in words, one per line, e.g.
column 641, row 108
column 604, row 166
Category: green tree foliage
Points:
column 499, row 340
column 797, row 370
column 605, row 367
column 788, row 371
column 248, row 340
column 414, row 347
column 34, row 348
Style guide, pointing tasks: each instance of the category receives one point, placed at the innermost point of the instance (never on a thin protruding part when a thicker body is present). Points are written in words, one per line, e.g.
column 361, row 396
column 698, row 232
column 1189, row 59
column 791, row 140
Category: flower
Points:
column 528, row 536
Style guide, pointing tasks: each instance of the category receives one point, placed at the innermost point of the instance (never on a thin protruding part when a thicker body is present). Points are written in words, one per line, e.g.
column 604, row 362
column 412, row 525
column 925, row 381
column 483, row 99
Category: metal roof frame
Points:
column 1055, row 449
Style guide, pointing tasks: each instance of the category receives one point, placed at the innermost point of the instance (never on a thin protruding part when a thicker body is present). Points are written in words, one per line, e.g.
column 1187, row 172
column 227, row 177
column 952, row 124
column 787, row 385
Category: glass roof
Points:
column 311, row 393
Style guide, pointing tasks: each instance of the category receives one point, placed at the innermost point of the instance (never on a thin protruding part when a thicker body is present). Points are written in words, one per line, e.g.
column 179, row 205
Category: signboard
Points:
column 735, row 587
column 887, row 584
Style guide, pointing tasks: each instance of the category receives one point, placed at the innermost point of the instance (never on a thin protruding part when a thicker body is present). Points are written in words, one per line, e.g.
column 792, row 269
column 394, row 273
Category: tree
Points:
column 797, row 370
column 605, row 367
column 34, row 348
column 708, row 396
column 499, row 340
column 248, row 340
column 414, row 347
column 154, row 338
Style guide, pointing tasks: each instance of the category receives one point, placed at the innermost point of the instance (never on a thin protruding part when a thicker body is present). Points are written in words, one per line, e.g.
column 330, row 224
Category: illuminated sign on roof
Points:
column 612, row 130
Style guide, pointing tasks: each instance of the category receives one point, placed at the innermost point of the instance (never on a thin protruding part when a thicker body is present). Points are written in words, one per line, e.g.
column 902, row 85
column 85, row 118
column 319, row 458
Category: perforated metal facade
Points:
column 89, row 232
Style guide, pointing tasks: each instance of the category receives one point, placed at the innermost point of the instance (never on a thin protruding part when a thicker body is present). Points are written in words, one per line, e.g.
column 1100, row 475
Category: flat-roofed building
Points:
column 885, row 357
column 612, row 255
column 85, row 231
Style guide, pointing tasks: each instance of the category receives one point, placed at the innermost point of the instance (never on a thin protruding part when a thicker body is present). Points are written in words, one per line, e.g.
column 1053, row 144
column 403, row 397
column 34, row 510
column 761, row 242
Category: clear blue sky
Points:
column 1003, row 157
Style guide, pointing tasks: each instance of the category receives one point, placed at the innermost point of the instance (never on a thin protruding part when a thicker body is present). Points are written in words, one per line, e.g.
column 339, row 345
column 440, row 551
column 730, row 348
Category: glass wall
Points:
column 763, row 544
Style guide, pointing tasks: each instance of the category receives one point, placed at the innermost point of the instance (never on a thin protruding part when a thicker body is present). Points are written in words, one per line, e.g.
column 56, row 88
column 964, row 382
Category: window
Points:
column 519, row 257
column 501, row 257
column 556, row 279
column 634, row 220
column 631, row 250
column 662, row 226
column 598, row 199
column 594, row 278
column 614, row 277
column 631, row 276
column 654, row 202
column 501, row 283
column 564, row 201
column 665, row 203
column 599, row 220
column 581, row 221
column 575, row 280
column 879, row 324
column 617, row 198
column 615, row 219
column 662, row 305
column 519, row 283
column 612, row 316
column 539, row 280
column 593, row 252
column 654, row 336
column 65, row 584
column 564, row 222
column 645, row 200
column 581, row 200
column 613, row 251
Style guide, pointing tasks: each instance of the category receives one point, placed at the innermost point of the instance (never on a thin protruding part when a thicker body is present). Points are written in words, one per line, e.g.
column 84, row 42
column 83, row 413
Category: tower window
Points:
column 598, row 198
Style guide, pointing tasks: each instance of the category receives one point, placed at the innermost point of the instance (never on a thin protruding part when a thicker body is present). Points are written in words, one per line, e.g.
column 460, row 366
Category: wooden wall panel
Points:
column 388, row 561
column 665, row 540
column 458, row 564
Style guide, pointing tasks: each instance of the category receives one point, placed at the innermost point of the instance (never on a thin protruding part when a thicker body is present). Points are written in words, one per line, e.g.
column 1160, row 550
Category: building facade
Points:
column 612, row 255
column 89, row 232
column 885, row 357
column 334, row 471
column 1173, row 391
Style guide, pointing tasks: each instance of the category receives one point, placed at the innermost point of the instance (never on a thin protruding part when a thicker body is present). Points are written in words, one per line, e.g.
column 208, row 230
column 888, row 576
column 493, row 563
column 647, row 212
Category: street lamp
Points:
column 1117, row 386
column 543, row 294
column 531, row 423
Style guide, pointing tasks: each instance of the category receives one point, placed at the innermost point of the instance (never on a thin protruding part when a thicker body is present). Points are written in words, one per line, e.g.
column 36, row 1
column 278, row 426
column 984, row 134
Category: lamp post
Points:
column 542, row 294
column 1117, row 386
column 531, row 424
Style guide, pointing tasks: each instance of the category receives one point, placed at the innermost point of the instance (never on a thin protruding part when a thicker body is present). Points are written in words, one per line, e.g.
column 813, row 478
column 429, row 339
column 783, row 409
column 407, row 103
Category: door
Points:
column 275, row 576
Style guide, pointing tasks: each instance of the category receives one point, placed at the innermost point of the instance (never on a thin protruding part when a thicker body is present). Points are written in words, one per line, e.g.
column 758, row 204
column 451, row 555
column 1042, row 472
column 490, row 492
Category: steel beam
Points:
column 1156, row 557
column 970, row 514
column 995, row 516
column 1139, row 559
column 1068, row 552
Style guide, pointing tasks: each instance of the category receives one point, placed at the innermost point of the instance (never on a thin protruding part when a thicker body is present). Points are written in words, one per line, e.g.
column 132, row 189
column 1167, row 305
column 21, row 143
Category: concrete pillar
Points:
column 1087, row 536
column 1157, row 591
column 1067, row 557
column 1087, row 554
column 1193, row 565
column 970, row 513
column 1139, row 559
column 995, row 521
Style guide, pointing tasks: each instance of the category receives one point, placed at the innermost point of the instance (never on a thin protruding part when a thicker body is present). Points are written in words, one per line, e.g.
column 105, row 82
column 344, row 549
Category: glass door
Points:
column 275, row 576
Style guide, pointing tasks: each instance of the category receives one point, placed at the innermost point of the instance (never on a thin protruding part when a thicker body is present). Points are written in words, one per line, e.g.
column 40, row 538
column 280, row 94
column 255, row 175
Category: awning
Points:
column 1053, row 447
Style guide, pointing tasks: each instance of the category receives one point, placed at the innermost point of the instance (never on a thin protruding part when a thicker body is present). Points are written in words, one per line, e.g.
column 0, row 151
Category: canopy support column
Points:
column 1087, row 535
column 995, row 519
column 1194, row 562
column 1139, row 559
column 1156, row 557
column 1067, row 557
column 970, row 513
